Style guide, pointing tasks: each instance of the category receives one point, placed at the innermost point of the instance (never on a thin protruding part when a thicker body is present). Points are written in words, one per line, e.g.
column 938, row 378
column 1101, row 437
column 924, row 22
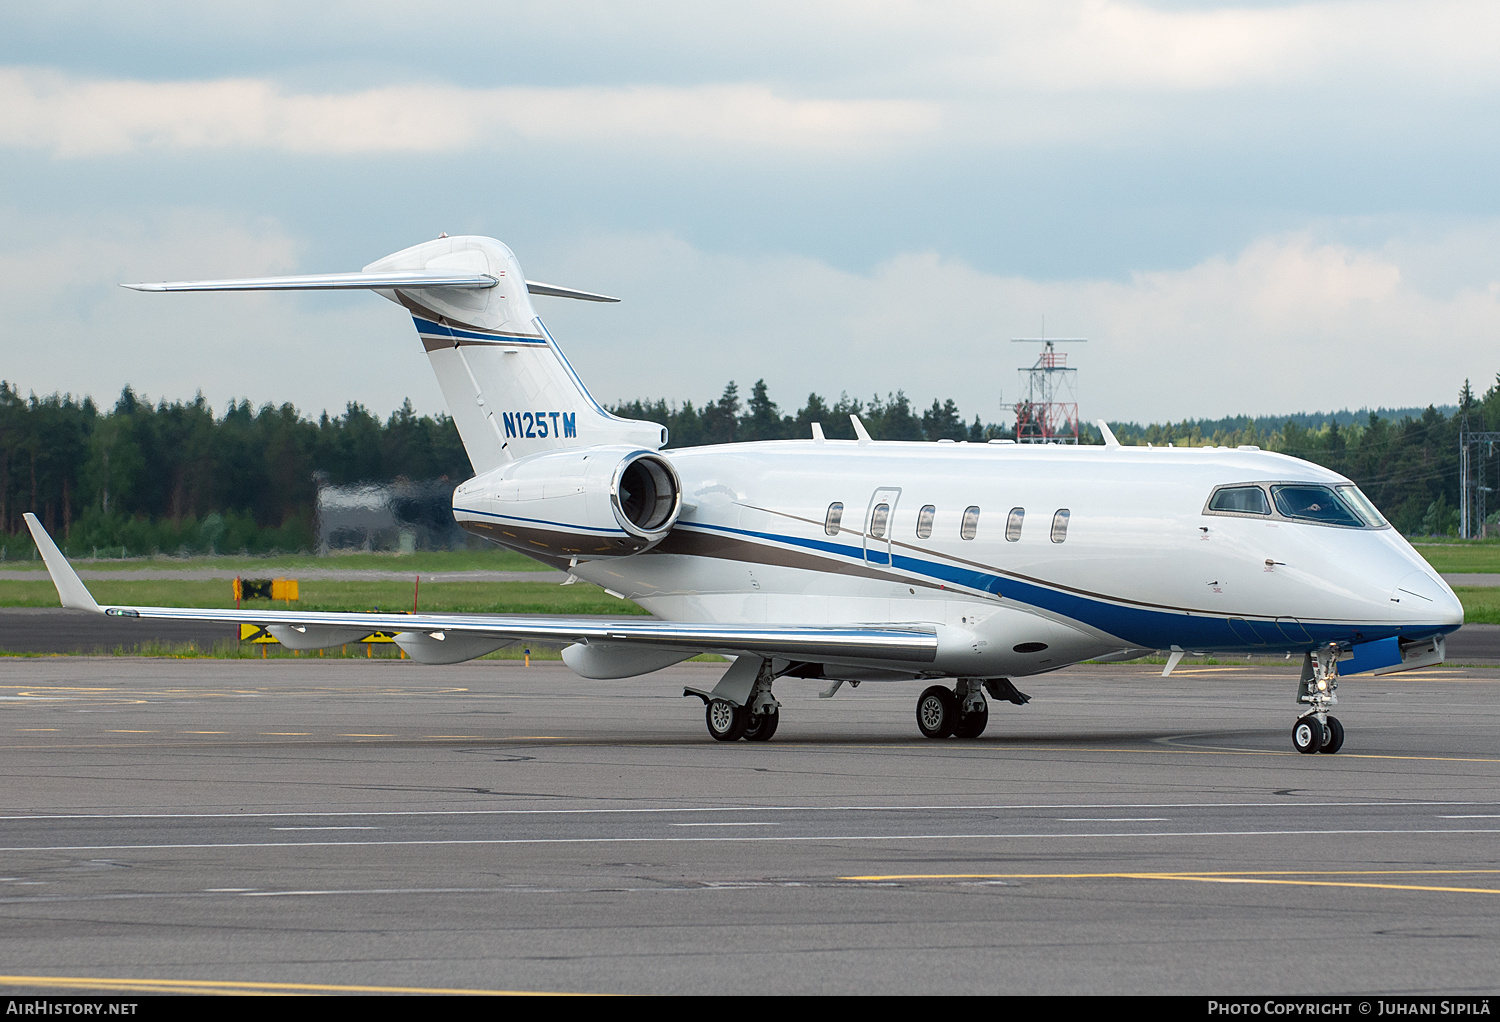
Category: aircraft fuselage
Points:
column 1139, row 564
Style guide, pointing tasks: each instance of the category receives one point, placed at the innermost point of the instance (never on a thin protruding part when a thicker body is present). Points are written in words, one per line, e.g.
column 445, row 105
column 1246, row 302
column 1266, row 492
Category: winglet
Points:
column 1107, row 433
column 70, row 588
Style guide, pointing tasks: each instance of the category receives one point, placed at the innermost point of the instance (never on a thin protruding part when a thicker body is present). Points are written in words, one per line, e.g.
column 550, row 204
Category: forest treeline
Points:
column 173, row 477
column 144, row 477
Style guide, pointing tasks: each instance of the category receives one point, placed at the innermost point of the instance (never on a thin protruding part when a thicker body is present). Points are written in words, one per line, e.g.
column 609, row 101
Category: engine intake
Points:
column 646, row 494
column 582, row 502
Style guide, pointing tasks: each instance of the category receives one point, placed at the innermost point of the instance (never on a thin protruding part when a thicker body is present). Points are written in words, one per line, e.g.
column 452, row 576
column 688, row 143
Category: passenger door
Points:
column 880, row 520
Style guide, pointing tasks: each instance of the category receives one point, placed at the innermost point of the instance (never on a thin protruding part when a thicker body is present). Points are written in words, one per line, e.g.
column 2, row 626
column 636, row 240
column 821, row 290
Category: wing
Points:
column 451, row 638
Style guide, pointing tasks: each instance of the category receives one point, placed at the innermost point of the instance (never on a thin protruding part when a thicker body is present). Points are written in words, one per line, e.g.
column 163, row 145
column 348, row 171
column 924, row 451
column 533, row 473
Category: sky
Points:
column 1248, row 208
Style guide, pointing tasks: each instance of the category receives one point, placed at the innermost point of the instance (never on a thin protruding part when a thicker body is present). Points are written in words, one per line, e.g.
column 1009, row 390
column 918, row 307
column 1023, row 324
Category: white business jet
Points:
column 857, row 561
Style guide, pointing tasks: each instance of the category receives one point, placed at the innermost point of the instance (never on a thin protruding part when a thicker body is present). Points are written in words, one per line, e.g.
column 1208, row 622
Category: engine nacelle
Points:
column 585, row 502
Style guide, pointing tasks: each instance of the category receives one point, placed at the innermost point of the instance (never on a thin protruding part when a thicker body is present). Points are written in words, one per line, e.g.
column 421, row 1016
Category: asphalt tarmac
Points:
column 244, row 825
column 53, row 630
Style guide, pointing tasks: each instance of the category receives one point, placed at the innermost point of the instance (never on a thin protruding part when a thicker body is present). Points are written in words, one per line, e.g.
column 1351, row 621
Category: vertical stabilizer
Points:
column 508, row 386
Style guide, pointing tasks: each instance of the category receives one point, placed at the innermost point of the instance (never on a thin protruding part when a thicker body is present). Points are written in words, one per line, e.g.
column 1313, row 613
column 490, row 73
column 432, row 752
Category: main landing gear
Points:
column 1317, row 730
column 729, row 723
column 741, row 704
column 962, row 711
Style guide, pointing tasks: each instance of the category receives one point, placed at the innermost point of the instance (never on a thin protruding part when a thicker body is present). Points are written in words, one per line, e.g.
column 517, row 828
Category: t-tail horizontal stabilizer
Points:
column 406, row 281
column 506, row 382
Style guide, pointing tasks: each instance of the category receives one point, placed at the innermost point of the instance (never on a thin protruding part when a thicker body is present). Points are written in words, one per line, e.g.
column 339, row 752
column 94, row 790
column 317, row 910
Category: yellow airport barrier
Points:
column 258, row 634
column 265, row 589
column 255, row 633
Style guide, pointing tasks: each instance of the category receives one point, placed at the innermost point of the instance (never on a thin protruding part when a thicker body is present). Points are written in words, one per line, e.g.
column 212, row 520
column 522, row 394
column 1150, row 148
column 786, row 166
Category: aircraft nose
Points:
column 1428, row 600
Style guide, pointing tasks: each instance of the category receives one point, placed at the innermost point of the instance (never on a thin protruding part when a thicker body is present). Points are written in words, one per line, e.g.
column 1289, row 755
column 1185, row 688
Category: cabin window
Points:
column 1013, row 524
column 878, row 519
column 834, row 517
column 1310, row 503
column 924, row 521
column 970, row 526
column 1060, row 525
column 1240, row 500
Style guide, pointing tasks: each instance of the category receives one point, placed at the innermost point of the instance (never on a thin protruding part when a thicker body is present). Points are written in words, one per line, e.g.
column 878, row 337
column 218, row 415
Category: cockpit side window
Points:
column 1244, row 500
column 1311, row 503
column 1362, row 506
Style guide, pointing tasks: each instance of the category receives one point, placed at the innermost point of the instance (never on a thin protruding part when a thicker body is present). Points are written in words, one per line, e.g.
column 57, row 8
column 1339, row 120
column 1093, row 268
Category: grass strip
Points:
column 1461, row 557
column 446, row 597
column 494, row 559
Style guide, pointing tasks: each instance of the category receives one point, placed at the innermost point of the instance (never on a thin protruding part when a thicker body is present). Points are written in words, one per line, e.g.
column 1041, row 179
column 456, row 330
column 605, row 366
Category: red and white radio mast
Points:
column 1049, row 412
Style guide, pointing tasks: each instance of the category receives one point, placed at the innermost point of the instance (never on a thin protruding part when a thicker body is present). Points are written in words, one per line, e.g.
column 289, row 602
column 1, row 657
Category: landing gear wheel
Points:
column 1308, row 735
column 726, row 721
column 1333, row 739
column 762, row 726
column 972, row 725
column 937, row 712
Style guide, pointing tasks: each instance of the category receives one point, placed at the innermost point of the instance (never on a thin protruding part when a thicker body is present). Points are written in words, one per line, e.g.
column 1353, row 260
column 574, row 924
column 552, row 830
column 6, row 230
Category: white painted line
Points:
column 1154, row 835
column 726, row 824
column 1105, row 806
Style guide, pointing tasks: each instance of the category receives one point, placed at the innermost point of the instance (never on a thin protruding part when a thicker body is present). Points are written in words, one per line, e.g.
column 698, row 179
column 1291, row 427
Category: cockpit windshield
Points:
column 1362, row 506
column 1313, row 504
column 1341, row 505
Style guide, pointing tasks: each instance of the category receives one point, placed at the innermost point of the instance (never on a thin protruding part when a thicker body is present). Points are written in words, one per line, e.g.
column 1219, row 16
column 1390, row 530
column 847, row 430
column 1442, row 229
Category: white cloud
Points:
column 818, row 78
column 72, row 117
column 1067, row 46
column 66, row 325
column 1288, row 323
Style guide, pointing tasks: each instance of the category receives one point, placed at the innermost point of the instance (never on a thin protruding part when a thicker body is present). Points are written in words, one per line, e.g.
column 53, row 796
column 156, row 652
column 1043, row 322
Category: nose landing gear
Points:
column 1317, row 731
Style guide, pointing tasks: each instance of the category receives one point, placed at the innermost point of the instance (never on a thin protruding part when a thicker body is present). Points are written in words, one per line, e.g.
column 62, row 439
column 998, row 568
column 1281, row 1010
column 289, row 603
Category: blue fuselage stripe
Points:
column 427, row 328
column 1144, row 627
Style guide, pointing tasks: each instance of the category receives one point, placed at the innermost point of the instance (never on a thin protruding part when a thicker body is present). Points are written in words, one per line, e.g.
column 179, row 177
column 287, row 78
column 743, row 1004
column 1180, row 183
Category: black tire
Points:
column 1334, row 736
column 1308, row 735
column 762, row 726
column 726, row 721
column 972, row 725
column 937, row 712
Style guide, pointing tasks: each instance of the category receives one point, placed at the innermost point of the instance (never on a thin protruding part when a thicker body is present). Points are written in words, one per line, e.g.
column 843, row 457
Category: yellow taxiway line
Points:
column 1295, row 878
column 209, row 986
